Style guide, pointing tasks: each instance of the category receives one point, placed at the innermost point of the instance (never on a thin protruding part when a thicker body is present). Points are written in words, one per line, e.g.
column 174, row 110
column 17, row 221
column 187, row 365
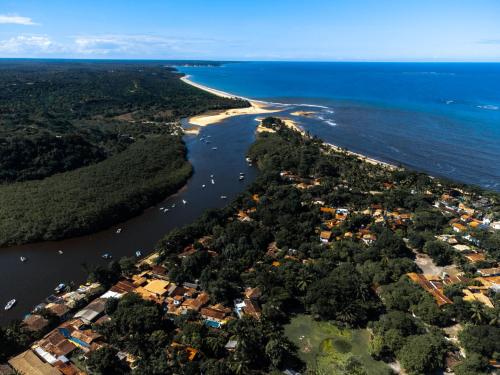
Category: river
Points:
column 32, row 281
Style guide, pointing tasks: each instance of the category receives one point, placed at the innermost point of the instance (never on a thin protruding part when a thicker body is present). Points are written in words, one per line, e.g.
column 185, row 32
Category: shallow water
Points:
column 440, row 118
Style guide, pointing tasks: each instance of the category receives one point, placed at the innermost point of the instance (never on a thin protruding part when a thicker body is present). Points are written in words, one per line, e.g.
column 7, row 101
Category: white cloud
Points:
column 15, row 19
column 28, row 44
column 136, row 45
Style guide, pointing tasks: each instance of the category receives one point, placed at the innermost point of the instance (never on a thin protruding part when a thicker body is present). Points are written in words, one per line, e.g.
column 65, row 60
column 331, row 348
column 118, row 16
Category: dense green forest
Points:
column 84, row 145
column 48, row 109
column 93, row 197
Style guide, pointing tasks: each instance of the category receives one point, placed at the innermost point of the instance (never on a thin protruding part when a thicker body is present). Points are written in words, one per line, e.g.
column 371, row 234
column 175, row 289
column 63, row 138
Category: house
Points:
column 325, row 236
column 253, row 293
column 155, row 290
column 432, row 284
column 29, row 363
column 92, row 311
column 457, row 227
column 53, row 347
column 159, row 272
column 58, row 309
column 489, row 271
column 249, row 308
column 216, row 314
column 35, row 322
column 475, row 257
column 188, row 251
column 472, row 296
column 197, row 303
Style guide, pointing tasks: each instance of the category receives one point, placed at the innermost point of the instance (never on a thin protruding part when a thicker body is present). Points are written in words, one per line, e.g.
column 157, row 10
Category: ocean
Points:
column 439, row 118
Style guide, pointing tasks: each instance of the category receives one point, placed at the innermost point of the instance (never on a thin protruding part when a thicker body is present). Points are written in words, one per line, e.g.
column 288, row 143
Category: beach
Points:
column 260, row 107
column 213, row 117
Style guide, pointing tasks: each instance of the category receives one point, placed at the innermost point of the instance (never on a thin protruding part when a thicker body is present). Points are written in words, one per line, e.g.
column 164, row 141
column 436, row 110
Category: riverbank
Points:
column 32, row 281
column 214, row 117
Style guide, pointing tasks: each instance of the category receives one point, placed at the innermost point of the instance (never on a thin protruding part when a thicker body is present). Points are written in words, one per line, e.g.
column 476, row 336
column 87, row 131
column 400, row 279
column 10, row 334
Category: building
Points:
column 35, row 322
column 29, row 363
column 325, row 236
column 92, row 311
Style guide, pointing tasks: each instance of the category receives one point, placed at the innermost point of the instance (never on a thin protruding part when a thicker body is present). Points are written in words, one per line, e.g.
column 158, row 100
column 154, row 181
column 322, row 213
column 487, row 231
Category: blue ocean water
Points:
column 441, row 118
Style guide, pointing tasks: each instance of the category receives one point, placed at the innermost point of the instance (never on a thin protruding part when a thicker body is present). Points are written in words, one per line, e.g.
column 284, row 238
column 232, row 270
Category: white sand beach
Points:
column 213, row 117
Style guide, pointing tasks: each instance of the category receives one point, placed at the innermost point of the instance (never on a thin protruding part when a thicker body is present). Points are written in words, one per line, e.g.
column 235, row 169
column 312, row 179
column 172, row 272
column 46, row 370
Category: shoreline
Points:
column 213, row 117
column 261, row 107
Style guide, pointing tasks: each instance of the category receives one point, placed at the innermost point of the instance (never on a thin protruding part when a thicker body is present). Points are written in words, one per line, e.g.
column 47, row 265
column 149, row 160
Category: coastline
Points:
column 261, row 107
column 256, row 107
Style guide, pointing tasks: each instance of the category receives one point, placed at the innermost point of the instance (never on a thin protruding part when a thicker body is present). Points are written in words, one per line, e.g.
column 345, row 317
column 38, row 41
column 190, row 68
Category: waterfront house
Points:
column 29, row 363
column 35, row 323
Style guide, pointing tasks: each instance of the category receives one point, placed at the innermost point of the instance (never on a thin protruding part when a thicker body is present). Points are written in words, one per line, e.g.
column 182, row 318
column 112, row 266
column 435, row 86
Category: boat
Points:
column 173, row 206
column 242, row 173
column 106, row 256
column 248, row 160
column 211, row 176
column 201, row 139
column 223, row 197
column 23, row 259
column 60, row 252
column 214, row 148
column 242, row 178
column 166, row 210
column 213, row 181
column 162, row 208
column 59, row 288
column 10, row 304
column 119, row 230
column 184, row 201
column 138, row 253
column 203, row 186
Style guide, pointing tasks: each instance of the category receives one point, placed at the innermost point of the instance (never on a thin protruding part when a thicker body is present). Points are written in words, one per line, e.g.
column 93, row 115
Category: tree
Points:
column 422, row 354
column 104, row 361
column 482, row 339
column 473, row 364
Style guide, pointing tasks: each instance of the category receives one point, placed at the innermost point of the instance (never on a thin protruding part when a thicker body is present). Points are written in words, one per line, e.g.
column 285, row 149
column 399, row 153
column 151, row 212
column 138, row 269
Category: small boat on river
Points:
column 59, row 288
column 23, row 259
column 10, row 304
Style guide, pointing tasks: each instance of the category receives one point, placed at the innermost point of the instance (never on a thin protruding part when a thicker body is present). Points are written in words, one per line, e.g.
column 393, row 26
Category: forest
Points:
column 68, row 126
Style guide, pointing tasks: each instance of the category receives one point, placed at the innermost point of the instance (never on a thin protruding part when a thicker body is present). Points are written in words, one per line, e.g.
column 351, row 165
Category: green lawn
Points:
column 326, row 349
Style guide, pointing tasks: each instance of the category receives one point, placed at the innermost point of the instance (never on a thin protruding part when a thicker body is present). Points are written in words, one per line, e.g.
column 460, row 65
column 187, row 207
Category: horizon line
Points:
column 424, row 61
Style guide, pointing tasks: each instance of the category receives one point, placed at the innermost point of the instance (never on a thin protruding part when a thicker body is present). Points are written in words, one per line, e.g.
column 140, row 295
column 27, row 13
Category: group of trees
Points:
column 93, row 197
column 84, row 145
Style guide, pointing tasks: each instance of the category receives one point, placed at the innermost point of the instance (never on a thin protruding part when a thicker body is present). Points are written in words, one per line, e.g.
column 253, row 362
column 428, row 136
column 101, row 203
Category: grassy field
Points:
column 327, row 349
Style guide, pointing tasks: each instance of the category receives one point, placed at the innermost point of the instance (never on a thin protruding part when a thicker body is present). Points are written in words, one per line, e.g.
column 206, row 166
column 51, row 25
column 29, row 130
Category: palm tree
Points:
column 477, row 312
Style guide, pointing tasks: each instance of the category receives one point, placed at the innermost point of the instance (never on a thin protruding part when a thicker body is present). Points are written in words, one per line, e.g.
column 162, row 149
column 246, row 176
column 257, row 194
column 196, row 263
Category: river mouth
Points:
column 30, row 282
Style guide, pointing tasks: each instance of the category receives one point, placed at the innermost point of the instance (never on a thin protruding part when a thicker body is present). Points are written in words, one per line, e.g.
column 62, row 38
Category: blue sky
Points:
column 327, row 30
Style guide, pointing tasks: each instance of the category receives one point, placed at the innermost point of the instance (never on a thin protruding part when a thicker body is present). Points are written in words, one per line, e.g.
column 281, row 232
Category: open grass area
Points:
column 328, row 349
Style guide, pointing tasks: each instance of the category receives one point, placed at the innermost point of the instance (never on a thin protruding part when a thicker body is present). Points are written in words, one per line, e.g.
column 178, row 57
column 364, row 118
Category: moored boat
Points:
column 10, row 304
column 59, row 288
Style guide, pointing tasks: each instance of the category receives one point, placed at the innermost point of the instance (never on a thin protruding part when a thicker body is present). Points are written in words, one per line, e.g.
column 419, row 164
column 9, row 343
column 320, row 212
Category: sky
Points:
column 311, row 30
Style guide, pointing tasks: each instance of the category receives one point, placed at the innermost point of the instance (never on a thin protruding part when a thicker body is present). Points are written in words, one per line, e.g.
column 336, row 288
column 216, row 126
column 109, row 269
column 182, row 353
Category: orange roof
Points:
column 325, row 235
column 276, row 263
column 476, row 257
column 329, row 210
column 459, row 226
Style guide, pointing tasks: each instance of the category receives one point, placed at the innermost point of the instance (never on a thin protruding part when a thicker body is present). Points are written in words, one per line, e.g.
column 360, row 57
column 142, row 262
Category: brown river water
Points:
column 32, row 281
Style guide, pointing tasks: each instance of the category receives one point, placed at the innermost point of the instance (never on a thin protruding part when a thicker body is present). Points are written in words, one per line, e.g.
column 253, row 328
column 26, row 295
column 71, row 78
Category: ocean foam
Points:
column 491, row 107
